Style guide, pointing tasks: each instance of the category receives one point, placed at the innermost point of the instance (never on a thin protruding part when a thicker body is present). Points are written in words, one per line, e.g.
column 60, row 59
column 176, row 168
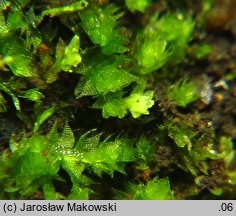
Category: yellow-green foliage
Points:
column 96, row 93
column 137, row 5
column 138, row 103
column 151, row 52
column 101, row 26
column 35, row 161
column 183, row 92
column 156, row 189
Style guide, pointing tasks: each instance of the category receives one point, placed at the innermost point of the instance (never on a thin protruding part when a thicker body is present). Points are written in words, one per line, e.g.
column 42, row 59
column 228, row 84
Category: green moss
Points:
column 39, row 157
column 183, row 93
column 138, row 5
column 97, row 93
column 101, row 25
column 156, row 189
column 67, row 57
column 138, row 103
column 151, row 52
column 104, row 76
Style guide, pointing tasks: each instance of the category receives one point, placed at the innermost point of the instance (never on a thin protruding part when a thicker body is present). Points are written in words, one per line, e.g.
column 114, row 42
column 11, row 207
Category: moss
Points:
column 140, row 5
column 92, row 94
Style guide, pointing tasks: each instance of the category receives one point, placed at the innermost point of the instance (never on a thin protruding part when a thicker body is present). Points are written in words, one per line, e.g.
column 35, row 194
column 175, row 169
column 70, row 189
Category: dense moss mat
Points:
column 123, row 99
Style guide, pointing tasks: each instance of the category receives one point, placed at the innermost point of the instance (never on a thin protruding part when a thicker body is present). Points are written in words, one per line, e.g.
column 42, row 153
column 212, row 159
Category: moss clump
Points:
column 98, row 96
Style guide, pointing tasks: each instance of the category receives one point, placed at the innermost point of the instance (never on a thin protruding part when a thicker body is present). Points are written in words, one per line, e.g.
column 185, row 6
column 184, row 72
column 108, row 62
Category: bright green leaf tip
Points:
column 43, row 117
column 183, row 93
column 155, row 189
column 71, row 8
column 104, row 77
column 32, row 95
column 137, row 5
column 101, row 25
column 151, row 52
column 138, row 103
column 67, row 57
